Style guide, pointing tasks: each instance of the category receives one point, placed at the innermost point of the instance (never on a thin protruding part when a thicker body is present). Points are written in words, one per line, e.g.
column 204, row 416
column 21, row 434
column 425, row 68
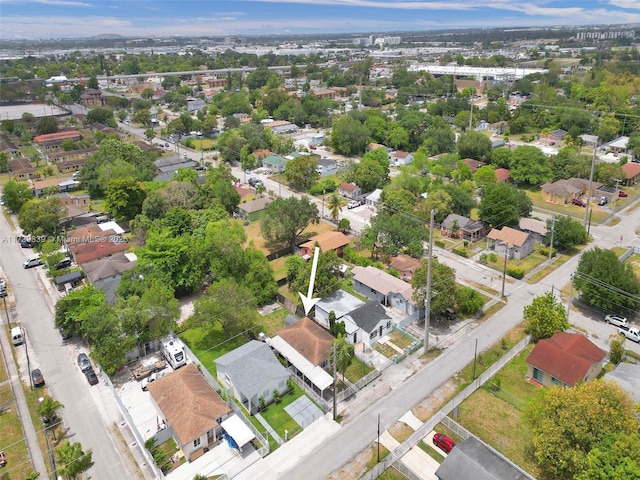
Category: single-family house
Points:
column 473, row 165
column 253, row 372
column 558, row 135
column 473, row 459
column 457, row 226
column 68, row 166
column 258, row 155
column 349, row 190
column 511, row 243
column 373, row 199
column 564, row 191
column 21, row 168
column 105, row 273
column 327, row 241
column 617, row 145
column 8, row 147
column 191, row 408
column 503, row 175
column 385, row 288
column 498, row 127
column 564, row 359
column 400, row 157
column 627, row 375
column 63, row 156
column 275, row 163
column 367, row 323
column 405, row 265
column 631, row 173
column 41, row 187
column 92, row 97
column 252, row 210
column 339, row 302
column 98, row 248
column 194, row 104
column 51, row 142
column 306, row 347
column 326, row 167
column 281, row 127
column 536, row 228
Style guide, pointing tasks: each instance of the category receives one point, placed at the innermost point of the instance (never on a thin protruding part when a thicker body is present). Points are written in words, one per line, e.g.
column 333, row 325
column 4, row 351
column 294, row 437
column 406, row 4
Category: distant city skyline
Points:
column 34, row 19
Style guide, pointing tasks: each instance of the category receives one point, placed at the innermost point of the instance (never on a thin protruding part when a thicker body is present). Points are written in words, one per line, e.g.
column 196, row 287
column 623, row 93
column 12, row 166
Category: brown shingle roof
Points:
column 631, row 169
column 309, row 339
column 502, row 175
column 565, row 356
column 190, row 405
column 87, row 234
column 405, row 264
column 107, row 267
column 473, row 164
column 510, row 236
column 348, row 187
column 327, row 241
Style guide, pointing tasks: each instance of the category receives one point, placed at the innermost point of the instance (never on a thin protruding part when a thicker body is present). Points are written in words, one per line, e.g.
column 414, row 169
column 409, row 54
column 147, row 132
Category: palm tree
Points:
column 73, row 461
column 344, row 354
column 47, row 410
column 334, row 204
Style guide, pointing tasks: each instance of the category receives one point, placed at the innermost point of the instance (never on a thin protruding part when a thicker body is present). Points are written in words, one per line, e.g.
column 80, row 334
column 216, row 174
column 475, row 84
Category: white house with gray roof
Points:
column 252, row 371
column 340, row 302
column 367, row 323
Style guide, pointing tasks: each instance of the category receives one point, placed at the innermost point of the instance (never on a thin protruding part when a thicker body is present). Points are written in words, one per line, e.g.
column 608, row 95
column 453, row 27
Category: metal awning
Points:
column 237, row 430
column 314, row 373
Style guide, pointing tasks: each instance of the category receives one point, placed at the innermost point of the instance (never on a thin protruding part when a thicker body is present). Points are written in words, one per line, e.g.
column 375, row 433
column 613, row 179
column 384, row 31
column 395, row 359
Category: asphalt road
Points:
column 81, row 415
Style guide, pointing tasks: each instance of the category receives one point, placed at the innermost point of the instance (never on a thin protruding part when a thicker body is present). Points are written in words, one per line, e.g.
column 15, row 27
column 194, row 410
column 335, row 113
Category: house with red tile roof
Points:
column 399, row 157
column 405, row 265
column 327, row 241
column 98, row 248
column 503, row 175
column 511, row 242
column 349, row 190
column 632, row 173
column 52, row 141
column 310, row 340
column 564, row 359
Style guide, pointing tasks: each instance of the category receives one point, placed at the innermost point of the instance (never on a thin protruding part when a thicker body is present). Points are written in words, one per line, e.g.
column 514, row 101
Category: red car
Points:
column 312, row 147
column 578, row 202
column 443, row 442
column 622, row 194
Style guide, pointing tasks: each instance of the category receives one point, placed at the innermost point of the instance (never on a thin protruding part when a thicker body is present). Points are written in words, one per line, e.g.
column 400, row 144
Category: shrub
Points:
column 439, row 243
column 545, row 251
column 493, row 257
column 261, row 404
column 276, row 396
column 515, row 272
column 484, row 258
column 461, row 251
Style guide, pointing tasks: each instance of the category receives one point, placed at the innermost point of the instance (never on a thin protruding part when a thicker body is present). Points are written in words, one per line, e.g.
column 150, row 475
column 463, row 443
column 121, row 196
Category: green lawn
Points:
column 432, row 452
column 273, row 322
column 209, row 345
column 357, row 370
column 280, row 420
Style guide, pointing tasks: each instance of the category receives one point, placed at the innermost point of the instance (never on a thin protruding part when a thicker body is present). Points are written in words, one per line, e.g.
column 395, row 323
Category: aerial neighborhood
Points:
column 333, row 258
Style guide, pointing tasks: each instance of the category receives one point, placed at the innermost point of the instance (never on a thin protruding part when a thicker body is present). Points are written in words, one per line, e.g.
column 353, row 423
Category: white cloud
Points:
column 630, row 4
column 63, row 3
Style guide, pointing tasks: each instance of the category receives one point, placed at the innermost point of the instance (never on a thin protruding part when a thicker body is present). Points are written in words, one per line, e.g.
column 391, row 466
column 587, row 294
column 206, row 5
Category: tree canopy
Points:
column 285, row 219
column 545, row 316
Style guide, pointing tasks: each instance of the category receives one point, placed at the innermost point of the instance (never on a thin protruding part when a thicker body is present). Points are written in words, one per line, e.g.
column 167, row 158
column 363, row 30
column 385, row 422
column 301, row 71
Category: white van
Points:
column 17, row 336
column 32, row 261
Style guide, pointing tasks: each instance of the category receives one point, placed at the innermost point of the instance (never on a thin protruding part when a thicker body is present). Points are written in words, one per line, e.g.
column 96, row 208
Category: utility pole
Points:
column 553, row 224
column 593, row 166
column 427, row 297
column 335, row 387
column 504, row 270
column 4, row 300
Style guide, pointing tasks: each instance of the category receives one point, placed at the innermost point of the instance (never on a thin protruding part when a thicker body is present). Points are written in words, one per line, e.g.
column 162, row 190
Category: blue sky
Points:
column 83, row 18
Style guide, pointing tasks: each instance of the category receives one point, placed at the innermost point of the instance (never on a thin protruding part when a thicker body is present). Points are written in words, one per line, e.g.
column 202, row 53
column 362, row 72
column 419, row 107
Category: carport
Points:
column 310, row 373
column 237, row 431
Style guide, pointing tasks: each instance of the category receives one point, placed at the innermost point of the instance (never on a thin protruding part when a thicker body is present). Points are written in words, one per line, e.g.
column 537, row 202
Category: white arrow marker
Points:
column 308, row 301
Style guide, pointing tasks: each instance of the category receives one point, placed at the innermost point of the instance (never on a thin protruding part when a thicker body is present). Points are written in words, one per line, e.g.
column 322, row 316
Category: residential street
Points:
column 316, row 457
column 84, row 412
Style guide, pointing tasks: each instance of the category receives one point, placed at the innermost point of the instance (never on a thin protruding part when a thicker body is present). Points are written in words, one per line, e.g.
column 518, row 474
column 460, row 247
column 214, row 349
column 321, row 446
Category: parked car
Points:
column 616, row 320
column 579, row 202
column 91, row 376
column 603, row 201
column 312, row 147
column 3, row 288
column 32, row 261
column 25, row 242
column 443, row 442
column 65, row 334
column 64, row 263
column 83, row 362
column 37, row 378
column 353, row 204
column 254, row 182
column 622, row 194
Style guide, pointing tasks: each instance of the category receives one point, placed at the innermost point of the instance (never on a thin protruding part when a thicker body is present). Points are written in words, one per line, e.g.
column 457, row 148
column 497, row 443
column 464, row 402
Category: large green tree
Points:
column 567, row 233
column 530, row 165
column 606, row 282
column 124, row 198
column 16, row 194
column 502, row 204
column 285, row 219
column 545, row 316
column 41, row 217
column 615, row 458
column 349, row 136
column 301, row 172
column 443, row 282
column 474, row 145
column 568, row 423
column 228, row 306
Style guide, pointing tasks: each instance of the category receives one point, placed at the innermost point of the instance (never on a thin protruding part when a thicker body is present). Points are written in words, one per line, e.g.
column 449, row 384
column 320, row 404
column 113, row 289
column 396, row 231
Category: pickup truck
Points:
column 630, row 333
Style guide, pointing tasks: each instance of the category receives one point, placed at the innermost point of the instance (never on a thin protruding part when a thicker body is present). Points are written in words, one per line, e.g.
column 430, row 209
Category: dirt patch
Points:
column 430, row 405
column 400, row 431
column 357, row 467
